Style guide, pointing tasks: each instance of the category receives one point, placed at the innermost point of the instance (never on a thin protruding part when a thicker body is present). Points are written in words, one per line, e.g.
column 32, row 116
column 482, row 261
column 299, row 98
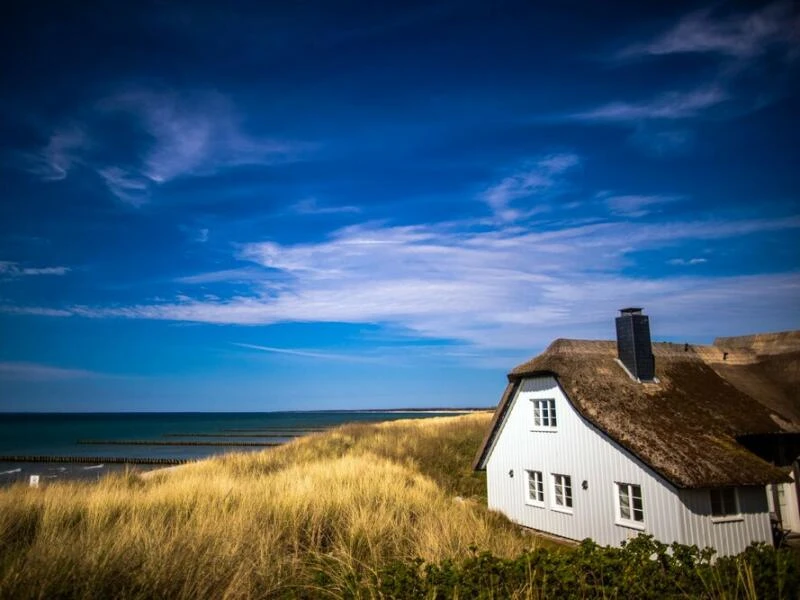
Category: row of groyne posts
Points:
column 261, row 434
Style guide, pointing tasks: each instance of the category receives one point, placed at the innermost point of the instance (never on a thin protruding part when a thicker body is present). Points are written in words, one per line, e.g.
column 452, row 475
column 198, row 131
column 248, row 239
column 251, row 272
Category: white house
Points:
column 603, row 440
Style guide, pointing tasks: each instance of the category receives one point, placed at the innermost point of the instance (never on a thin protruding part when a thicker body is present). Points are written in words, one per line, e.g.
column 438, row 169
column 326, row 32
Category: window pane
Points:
column 624, row 502
column 544, row 413
column 630, row 502
column 535, row 487
column 729, row 501
column 717, row 510
column 723, row 502
column 638, row 509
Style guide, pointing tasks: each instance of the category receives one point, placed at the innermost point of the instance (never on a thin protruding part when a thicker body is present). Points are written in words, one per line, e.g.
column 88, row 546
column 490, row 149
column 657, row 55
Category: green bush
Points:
column 643, row 568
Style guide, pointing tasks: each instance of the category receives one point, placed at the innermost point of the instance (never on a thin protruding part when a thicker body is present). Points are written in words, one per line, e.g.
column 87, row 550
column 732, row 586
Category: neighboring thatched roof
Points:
column 685, row 426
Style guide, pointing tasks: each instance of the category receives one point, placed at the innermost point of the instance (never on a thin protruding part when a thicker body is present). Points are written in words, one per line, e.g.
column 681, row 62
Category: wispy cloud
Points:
column 28, row 371
column 194, row 134
column 189, row 134
column 240, row 275
column 59, row 155
column 508, row 287
column 742, row 35
column 742, row 40
column 669, row 107
column 310, row 206
column 657, row 140
column 195, row 233
column 36, row 311
column 130, row 188
column 637, row 205
column 315, row 354
column 535, row 178
column 680, row 262
column 14, row 269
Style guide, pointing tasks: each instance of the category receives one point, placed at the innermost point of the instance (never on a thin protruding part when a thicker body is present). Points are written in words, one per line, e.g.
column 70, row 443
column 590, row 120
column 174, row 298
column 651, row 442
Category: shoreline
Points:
column 156, row 446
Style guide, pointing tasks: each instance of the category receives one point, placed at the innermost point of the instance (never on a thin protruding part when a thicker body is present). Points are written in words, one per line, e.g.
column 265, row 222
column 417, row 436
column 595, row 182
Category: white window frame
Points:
column 628, row 489
column 727, row 517
column 537, row 476
column 541, row 407
column 565, row 483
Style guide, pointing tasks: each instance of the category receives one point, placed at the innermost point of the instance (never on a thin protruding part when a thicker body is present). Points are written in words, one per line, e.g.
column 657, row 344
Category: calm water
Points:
column 58, row 435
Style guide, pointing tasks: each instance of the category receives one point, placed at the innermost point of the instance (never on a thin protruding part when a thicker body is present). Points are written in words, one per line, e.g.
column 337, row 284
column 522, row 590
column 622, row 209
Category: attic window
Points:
column 544, row 414
column 724, row 503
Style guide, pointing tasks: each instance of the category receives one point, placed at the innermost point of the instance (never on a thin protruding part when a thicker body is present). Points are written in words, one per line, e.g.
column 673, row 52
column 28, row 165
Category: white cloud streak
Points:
column 637, row 205
column 315, row 354
column 130, row 188
column 28, row 371
column 310, row 206
column 741, row 36
column 190, row 135
column 744, row 41
column 59, row 155
column 503, row 288
column 242, row 275
column 536, row 178
column 668, row 107
column 14, row 269
column 687, row 261
column 193, row 134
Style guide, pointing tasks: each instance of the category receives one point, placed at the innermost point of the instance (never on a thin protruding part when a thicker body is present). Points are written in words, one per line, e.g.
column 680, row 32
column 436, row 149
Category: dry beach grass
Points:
column 262, row 524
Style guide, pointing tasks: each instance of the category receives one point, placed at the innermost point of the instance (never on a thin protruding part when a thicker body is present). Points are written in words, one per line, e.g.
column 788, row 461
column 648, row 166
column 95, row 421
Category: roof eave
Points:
column 479, row 464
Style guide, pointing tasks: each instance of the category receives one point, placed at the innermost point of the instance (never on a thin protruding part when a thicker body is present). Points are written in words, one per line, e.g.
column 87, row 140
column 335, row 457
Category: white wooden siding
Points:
column 728, row 536
column 578, row 449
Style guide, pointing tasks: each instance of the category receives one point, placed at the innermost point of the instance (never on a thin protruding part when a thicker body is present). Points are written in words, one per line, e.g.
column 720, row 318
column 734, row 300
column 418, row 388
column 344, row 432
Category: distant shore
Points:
column 154, row 441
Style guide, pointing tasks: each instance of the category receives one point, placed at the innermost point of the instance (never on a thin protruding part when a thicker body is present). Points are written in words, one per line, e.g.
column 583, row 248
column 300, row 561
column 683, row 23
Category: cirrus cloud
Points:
column 187, row 134
column 741, row 35
column 500, row 288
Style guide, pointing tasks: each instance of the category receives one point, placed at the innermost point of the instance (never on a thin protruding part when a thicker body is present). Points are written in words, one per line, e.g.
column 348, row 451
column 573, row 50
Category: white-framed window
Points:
column 544, row 414
column 724, row 503
column 535, row 492
column 630, row 509
column 562, row 493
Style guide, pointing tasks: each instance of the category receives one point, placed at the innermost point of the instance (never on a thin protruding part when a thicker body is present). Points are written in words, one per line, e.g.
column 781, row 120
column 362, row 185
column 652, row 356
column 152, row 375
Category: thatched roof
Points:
column 685, row 426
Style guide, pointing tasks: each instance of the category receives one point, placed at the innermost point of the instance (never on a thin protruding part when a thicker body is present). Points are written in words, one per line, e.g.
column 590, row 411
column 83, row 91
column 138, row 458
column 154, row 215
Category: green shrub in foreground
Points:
column 643, row 568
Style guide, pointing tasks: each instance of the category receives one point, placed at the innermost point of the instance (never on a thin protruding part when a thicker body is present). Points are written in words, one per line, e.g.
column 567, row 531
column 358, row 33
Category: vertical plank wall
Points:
column 727, row 536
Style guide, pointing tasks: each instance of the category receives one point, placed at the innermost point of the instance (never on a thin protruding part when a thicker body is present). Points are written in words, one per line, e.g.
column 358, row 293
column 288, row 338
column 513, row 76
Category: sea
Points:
column 58, row 446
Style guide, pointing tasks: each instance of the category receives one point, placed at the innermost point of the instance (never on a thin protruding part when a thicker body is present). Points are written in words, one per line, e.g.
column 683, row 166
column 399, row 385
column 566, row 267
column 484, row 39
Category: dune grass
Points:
column 344, row 503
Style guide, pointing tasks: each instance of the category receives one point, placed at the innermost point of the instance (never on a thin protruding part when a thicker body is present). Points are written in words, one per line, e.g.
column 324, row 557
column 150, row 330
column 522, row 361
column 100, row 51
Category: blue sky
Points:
column 290, row 206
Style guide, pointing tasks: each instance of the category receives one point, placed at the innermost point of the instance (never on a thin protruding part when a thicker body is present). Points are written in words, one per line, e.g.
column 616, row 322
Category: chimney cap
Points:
column 630, row 311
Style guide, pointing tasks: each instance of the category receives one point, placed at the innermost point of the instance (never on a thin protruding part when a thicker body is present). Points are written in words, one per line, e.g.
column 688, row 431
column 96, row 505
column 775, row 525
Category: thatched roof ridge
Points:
column 685, row 426
column 762, row 344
